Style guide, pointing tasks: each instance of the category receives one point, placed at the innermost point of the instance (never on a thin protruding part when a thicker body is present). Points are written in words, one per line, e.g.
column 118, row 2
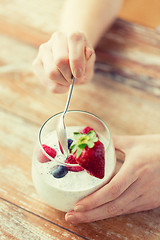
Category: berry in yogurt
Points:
column 69, row 143
column 89, row 152
column 59, row 171
column 50, row 151
column 72, row 160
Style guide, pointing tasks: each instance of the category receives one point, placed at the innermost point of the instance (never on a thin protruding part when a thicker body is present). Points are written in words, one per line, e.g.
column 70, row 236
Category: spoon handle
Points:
column 69, row 97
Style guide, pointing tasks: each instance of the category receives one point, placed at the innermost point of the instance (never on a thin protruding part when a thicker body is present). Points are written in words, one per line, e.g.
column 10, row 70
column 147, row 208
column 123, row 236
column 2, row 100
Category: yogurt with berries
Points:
column 63, row 191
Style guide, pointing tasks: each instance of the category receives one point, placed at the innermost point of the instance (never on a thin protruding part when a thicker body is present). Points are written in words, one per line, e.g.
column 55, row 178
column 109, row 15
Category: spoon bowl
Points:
column 61, row 128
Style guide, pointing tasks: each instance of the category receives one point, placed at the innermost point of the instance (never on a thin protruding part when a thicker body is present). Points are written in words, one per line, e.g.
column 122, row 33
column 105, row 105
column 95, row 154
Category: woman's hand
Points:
column 134, row 188
column 63, row 57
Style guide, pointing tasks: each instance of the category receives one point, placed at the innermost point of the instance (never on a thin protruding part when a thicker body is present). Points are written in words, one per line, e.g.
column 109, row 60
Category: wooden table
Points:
column 126, row 93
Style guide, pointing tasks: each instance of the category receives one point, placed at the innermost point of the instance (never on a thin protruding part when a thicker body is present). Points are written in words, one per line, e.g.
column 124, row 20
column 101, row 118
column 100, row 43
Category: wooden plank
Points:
column 15, row 52
column 17, row 188
column 16, row 182
column 19, row 224
column 124, row 103
column 133, row 60
column 21, row 93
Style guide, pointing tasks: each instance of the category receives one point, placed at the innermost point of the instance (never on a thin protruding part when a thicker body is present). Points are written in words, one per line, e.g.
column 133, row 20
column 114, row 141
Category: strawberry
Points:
column 72, row 160
column 50, row 151
column 87, row 130
column 89, row 153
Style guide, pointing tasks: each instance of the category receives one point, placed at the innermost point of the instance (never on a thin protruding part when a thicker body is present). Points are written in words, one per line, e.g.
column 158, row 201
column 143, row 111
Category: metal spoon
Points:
column 61, row 128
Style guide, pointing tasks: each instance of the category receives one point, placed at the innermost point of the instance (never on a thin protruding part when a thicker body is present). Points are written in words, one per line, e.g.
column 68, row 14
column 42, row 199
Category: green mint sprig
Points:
column 82, row 140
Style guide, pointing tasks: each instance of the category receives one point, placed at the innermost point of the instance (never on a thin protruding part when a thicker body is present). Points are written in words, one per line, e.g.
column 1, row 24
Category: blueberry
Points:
column 69, row 143
column 59, row 171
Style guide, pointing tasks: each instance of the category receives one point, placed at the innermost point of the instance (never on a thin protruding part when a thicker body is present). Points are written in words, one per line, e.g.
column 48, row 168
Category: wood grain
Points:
column 17, row 223
column 17, row 189
column 126, row 53
column 125, row 89
column 20, row 92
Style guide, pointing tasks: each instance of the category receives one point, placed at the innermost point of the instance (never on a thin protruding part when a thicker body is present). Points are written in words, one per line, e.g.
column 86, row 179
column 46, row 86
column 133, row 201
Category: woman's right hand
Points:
column 63, row 57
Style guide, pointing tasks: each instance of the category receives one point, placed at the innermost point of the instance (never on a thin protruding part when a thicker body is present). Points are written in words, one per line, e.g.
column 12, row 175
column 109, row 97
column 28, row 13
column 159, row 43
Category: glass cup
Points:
column 63, row 193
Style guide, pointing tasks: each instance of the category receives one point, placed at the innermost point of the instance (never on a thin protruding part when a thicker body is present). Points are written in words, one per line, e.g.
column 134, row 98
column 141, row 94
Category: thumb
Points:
column 112, row 190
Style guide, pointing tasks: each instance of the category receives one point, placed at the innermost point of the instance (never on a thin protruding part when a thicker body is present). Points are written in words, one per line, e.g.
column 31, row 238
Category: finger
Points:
column 89, row 70
column 119, row 183
column 61, row 55
column 52, row 86
column 138, row 209
column 77, row 43
column 125, row 203
column 99, row 213
column 144, row 202
column 58, row 88
column 135, row 198
column 50, row 69
column 87, row 216
column 93, row 215
column 37, row 66
column 102, row 212
column 38, row 70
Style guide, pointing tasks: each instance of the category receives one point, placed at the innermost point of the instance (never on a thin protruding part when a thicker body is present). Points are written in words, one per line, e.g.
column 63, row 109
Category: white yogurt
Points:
column 63, row 193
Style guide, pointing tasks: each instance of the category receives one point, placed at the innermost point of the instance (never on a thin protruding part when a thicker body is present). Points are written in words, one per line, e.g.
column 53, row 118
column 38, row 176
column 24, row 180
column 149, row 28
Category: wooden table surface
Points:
column 125, row 93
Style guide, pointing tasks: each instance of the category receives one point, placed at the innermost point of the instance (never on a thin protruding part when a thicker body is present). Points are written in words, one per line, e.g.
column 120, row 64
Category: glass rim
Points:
column 70, row 111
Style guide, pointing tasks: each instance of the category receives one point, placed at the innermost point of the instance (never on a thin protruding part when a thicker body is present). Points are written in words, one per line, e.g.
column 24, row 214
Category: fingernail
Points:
column 78, row 73
column 70, row 218
column 89, row 53
column 79, row 208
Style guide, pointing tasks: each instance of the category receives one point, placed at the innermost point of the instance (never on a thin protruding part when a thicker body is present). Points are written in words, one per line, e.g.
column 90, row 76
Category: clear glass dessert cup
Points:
column 63, row 192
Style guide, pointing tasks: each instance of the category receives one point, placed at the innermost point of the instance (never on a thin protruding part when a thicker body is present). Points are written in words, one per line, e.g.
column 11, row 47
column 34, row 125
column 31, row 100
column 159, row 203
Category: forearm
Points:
column 92, row 17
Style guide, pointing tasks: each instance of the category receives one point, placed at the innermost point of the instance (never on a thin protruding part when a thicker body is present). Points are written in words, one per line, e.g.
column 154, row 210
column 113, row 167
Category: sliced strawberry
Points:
column 71, row 159
column 87, row 130
column 93, row 159
column 50, row 151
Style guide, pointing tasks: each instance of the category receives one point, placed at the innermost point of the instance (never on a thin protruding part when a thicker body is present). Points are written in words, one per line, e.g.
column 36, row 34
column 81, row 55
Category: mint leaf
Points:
column 77, row 135
column 74, row 148
column 79, row 151
column 72, row 145
column 82, row 146
column 91, row 134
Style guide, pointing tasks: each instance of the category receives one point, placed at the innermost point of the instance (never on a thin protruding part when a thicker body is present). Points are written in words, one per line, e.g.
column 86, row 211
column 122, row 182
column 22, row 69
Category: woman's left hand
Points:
column 134, row 188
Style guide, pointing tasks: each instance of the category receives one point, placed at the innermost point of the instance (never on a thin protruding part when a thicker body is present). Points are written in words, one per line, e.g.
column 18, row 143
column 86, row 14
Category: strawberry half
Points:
column 50, row 151
column 71, row 159
column 89, row 153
